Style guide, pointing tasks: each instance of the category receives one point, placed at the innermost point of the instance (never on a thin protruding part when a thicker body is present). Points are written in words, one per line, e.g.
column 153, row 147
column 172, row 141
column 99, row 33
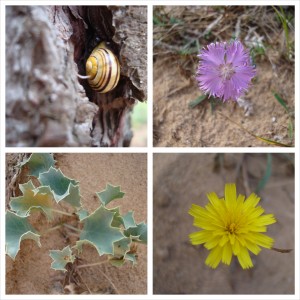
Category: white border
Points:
column 149, row 149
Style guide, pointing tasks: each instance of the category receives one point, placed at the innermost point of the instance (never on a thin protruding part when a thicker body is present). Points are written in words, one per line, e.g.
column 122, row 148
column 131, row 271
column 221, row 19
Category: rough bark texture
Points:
column 45, row 103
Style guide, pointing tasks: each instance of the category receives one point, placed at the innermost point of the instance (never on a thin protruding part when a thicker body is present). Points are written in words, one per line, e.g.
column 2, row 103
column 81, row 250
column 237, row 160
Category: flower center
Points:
column 231, row 228
column 226, row 71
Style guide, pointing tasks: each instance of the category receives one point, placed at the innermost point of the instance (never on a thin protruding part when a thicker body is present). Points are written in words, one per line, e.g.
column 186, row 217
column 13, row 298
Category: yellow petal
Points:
column 244, row 258
column 260, row 239
column 212, row 243
column 199, row 237
column 224, row 240
column 265, row 220
column 230, row 196
column 253, row 247
column 214, row 257
column 250, row 202
column 236, row 247
column 227, row 254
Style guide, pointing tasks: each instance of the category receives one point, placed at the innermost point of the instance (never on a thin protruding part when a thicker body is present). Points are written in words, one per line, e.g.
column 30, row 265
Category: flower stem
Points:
column 281, row 250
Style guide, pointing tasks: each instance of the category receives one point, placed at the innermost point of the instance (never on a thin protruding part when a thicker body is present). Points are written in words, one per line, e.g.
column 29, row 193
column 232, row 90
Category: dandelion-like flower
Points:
column 231, row 226
column 225, row 70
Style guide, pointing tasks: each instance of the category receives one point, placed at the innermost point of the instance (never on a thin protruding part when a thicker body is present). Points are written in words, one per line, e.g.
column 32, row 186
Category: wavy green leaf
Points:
column 99, row 232
column 128, row 220
column 18, row 229
column 121, row 247
column 110, row 193
column 138, row 233
column 61, row 258
column 38, row 163
column 32, row 198
column 82, row 213
column 131, row 257
column 63, row 188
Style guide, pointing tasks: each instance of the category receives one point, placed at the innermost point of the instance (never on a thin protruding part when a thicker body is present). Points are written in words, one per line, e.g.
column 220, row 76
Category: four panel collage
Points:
column 150, row 150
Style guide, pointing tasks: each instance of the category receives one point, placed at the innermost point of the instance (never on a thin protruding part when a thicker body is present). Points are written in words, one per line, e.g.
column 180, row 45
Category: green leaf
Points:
column 38, row 163
column 82, row 213
column 117, row 220
column 98, row 231
column 61, row 258
column 128, row 220
column 197, row 101
column 63, row 188
column 17, row 229
column 110, row 193
column 281, row 102
column 121, row 247
column 32, row 198
column 267, row 174
column 138, row 233
column 118, row 262
column 131, row 257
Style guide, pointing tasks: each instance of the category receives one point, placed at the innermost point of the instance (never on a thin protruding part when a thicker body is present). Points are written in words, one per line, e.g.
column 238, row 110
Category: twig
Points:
column 110, row 281
column 62, row 212
column 72, row 227
column 92, row 265
column 84, row 282
column 281, row 250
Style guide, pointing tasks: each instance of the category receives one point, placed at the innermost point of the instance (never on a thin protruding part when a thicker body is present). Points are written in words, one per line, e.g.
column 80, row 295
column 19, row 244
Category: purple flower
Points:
column 225, row 70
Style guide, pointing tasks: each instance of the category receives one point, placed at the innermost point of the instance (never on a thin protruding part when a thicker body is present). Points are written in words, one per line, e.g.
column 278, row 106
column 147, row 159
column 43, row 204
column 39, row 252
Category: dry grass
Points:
column 180, row 32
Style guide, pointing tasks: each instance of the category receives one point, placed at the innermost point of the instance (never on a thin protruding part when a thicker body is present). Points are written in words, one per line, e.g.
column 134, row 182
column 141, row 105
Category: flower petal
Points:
column 227, row 254
column 244, row 258
column 214, row 257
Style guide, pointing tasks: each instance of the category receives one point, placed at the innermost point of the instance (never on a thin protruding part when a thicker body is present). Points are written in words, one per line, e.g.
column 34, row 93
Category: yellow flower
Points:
column 231, row 226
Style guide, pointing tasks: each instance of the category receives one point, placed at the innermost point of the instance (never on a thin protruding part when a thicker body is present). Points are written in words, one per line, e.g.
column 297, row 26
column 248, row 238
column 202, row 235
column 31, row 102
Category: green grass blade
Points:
column 262, row 183
column 281, row 102
column 197, row 101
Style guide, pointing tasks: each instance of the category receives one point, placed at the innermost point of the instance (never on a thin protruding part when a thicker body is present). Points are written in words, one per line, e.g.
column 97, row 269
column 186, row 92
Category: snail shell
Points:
column 102, row 69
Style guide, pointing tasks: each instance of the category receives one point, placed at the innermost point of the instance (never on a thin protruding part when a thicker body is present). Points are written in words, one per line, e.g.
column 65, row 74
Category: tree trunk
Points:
column 46, row 47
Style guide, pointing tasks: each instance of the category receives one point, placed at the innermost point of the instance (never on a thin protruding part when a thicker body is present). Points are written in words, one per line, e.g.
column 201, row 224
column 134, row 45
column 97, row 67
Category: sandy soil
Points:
column 31, row 273
column 177, row 125
column 183, row 179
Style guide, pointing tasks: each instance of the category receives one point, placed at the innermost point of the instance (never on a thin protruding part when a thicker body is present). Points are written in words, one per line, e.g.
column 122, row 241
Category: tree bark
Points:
column 46, row 47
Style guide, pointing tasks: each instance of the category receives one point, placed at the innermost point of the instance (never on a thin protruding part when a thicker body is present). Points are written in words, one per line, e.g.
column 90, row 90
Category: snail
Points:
column 102, row 69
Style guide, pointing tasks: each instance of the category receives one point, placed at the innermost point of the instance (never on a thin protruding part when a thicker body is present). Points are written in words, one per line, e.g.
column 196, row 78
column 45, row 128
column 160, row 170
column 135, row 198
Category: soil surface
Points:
column 183, row 179
column 178, row 34
column 31, row 273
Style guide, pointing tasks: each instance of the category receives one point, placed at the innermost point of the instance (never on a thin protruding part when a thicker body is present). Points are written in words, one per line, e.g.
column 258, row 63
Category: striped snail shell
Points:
column 102, row 69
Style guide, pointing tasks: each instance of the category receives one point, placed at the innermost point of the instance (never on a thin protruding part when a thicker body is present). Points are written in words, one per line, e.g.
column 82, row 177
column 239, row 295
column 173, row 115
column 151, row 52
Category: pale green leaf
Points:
column 61, row 258
column 131, row 257
column 110, row 193
column 117, row 262
column 38, row 163
column 63, row 188
column 128, row 220
column 82, row 213
column 138, row 233
column 33, row 198
column 97, row 230
column 18, row 229
column 121, row 247
column 117, row 220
